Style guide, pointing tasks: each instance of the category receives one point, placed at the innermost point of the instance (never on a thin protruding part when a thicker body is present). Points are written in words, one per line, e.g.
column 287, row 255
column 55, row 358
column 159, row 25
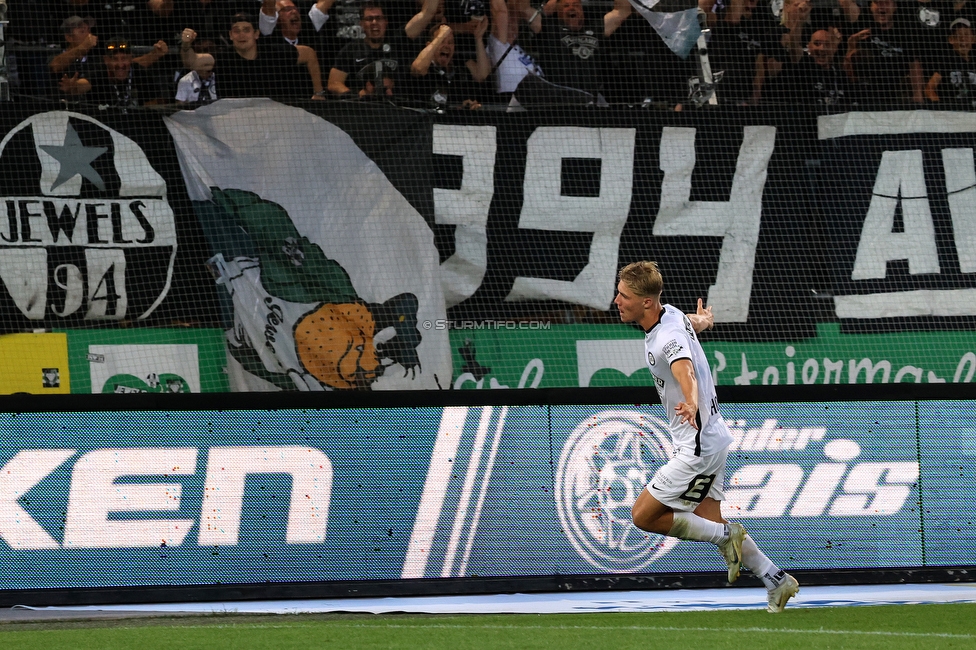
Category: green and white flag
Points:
column 329, row 268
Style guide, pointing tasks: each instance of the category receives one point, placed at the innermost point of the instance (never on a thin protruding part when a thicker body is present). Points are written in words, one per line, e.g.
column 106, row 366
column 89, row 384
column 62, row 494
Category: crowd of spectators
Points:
column 468, row 53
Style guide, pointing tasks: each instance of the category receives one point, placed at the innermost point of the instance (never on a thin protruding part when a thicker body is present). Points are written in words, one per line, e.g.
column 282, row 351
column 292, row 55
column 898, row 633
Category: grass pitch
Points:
column 889, row 627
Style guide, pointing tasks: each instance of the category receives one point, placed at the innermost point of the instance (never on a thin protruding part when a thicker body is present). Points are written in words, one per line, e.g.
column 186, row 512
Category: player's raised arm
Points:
column 703, row 318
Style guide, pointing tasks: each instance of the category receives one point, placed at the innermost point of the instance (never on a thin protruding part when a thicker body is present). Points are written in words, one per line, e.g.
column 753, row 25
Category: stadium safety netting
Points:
column 252, row 196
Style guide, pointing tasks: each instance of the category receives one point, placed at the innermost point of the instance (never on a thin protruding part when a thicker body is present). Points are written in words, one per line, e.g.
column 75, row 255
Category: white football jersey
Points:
column 674, row 338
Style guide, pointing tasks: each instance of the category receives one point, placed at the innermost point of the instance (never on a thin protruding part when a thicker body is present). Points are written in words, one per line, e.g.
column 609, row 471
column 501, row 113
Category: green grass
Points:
column 888, row 627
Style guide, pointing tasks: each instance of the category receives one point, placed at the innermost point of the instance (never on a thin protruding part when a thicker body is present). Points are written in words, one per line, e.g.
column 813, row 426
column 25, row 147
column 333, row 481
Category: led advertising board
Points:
column 144, row 498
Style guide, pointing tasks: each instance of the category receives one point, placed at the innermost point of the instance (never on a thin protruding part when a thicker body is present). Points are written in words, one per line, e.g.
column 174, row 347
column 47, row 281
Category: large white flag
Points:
column 333, row 275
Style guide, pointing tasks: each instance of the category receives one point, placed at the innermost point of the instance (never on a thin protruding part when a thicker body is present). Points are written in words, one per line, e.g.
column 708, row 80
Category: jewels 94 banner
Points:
column 95, row 226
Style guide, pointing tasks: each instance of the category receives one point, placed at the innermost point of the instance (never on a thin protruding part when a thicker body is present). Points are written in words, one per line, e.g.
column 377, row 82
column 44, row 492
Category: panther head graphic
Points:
column 335, row 345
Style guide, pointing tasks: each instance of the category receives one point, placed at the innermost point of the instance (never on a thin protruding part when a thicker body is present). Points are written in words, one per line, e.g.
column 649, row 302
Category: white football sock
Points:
column 688, row 525
column 760, row 565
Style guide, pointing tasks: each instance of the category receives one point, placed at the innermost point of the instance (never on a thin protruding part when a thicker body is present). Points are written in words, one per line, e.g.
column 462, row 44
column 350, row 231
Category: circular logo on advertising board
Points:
column 606, row 461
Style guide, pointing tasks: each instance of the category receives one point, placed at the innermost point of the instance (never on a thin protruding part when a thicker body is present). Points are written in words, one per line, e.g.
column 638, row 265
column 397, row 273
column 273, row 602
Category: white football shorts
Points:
column 684, row 481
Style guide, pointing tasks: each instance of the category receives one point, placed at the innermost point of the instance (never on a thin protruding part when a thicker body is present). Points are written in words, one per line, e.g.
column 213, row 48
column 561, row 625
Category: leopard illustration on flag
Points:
column 327, row 267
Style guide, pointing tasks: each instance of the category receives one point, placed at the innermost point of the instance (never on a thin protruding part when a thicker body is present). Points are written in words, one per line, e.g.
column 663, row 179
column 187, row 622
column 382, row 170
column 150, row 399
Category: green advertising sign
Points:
column 613, row 355
column 147, row 361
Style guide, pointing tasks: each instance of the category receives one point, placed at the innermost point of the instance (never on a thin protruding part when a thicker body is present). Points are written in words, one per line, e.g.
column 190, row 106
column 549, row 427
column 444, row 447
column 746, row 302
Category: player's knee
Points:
column 639, row 516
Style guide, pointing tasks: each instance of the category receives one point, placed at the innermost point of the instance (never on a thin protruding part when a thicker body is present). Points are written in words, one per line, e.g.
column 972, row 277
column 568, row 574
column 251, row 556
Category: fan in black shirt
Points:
column 814, row 80
column 372, row 66
column 76, row 63
column 435, row 80
column 124, row 82
column 256, row 68
column 953, row 82
column 882, row 56
column 573, row 48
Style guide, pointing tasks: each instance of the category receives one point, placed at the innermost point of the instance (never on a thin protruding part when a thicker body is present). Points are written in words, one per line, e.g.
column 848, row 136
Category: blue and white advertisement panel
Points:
column 189, row 498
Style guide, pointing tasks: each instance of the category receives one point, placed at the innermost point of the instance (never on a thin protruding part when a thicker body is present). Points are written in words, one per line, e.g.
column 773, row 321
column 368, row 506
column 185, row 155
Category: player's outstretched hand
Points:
column 687, row 413
column 702, row 319
column 706, row 315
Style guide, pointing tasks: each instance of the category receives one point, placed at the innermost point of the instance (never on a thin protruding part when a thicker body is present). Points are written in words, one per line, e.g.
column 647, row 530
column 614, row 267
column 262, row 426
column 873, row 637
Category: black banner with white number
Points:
column 899, row 194
column 778, row 220
column 721, row 200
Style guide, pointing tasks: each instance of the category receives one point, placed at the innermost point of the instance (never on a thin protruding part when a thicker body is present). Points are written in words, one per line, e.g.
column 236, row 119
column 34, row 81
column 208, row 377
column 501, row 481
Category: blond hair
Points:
column 643, row 278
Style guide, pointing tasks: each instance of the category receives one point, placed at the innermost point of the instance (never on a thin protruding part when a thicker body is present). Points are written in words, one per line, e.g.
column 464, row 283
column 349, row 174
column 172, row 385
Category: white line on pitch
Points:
column 662, row 628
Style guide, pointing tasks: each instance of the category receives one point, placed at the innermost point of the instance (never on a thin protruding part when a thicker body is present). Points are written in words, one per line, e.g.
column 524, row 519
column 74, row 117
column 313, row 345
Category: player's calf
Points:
column 731, row 549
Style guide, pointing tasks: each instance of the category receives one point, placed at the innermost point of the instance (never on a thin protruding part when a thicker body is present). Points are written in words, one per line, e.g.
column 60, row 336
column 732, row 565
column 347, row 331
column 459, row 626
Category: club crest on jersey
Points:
column 650, row 358
column 87, row 222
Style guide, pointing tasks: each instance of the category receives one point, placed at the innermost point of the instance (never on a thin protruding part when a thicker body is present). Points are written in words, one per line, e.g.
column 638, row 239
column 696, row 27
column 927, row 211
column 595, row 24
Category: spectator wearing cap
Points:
column 953, row 81
column 199, row 86
column 73, row 65
column 123, row 81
